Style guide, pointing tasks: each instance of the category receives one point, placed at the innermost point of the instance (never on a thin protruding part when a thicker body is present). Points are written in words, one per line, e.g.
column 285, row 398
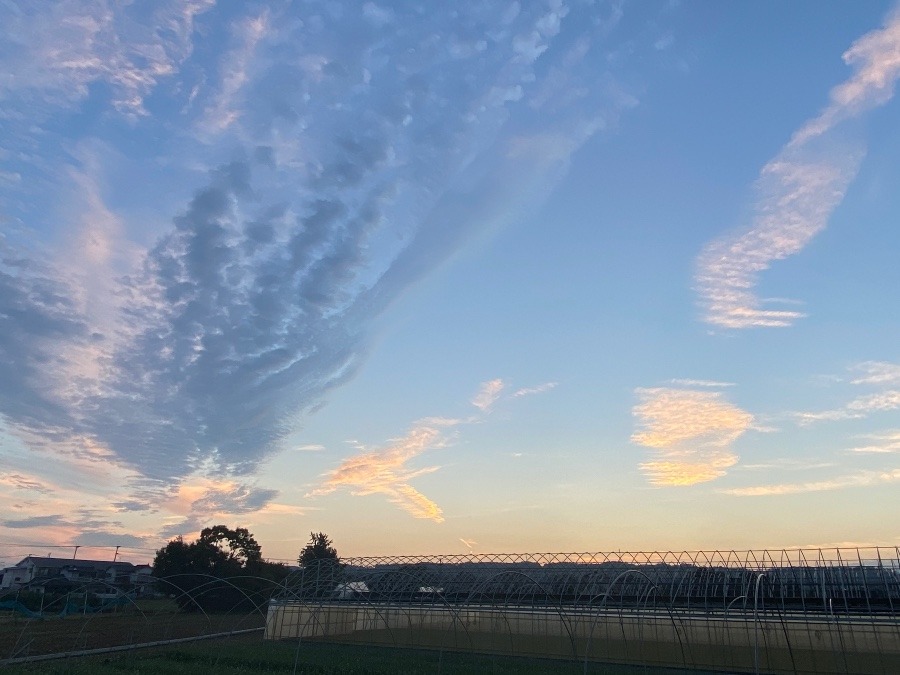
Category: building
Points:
column 34, row 572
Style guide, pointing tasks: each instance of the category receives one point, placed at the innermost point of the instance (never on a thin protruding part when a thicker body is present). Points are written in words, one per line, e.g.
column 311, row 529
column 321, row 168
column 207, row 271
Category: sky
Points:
column 494, row 276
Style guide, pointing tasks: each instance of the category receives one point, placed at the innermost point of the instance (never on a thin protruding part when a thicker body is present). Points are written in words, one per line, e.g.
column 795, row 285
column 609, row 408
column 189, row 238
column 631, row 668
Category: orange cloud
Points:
column 691, row 432
column 385, row 471
column 861, row 479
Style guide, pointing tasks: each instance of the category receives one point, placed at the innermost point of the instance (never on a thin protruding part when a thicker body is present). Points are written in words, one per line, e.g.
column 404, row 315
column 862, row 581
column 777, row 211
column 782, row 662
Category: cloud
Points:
column 885, row 400
column 878, row 372
column 36, row 313
column 691, row 433
column 891, row 543
column 84, row 527
column 797, row 195
column 884, row 443
column 488, row 395
column 58, row 51
column 701, row 383
column 320, row 167
column 861, row 479
column 876, row 59
column 798, row 190
column 233, row 499
column 385, row 471
column 787, row 465
column 875, row 373
column 222, row 112
column 539, row 389
column 23, row 482
column 33, row 521
column 110, row 538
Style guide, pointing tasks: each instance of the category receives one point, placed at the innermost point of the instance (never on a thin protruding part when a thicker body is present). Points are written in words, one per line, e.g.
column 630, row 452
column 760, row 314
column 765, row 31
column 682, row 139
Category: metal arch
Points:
column 652, row 584
column 537, row 584
column 783, row 585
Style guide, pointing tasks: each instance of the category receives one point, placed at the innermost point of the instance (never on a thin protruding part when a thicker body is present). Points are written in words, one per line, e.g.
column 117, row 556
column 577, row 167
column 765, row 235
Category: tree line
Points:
column 223, row 569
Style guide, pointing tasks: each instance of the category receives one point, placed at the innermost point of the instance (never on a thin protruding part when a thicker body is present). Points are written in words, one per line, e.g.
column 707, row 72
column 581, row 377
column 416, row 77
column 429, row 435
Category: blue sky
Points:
column 487, row 276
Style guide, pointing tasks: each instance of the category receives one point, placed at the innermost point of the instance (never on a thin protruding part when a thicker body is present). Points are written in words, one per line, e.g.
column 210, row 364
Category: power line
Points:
column 109, row 546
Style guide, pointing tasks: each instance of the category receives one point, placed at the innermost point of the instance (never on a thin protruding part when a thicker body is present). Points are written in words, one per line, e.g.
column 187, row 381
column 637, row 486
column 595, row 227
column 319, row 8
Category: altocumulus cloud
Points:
column 690, row 432
column 364, row 148
column 798, row 191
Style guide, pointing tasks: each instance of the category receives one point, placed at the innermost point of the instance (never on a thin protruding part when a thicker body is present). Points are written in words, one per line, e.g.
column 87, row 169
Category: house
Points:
column 41, row 572
column 13, row 577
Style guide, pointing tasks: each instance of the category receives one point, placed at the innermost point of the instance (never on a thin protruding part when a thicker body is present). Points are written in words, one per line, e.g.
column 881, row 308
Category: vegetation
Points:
column 255, row 656
column 223, row 570
column 321, row 568
column 320, row 547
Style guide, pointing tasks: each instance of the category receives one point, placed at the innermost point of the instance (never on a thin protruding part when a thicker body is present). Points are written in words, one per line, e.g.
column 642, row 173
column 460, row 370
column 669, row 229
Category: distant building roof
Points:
column 60, row 563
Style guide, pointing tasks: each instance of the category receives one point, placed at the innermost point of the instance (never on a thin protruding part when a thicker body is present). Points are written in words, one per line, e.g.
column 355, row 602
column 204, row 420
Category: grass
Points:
column 253, row 655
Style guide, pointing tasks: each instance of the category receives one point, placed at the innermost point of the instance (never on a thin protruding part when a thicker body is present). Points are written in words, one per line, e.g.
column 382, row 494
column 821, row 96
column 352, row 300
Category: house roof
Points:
column 66, row 563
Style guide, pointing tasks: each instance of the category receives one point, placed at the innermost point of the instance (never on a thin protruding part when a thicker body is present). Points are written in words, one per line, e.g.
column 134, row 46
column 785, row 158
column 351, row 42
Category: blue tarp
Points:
column 71, row 607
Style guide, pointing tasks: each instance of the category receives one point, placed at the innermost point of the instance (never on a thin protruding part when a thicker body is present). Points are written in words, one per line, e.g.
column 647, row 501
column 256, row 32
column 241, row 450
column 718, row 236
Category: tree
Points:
column 221, row 570
column 237, row 545
column 319, row 548
column 321, row 570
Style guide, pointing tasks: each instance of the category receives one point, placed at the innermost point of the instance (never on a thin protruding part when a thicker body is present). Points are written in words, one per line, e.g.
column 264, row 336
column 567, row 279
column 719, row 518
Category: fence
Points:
column 787, row 611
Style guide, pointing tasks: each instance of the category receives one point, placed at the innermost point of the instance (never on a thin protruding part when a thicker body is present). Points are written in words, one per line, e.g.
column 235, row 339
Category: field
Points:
column 148, row 621
column 252, row 655
column 158, row 620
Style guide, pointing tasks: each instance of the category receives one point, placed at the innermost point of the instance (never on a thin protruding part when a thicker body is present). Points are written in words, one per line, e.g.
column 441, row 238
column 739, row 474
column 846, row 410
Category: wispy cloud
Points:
column 313, row 447
column 539, row 389
column 885, row 400
column 385, row 471
column 714, row 384
column 876, row 59
column 807, row 418
column 33, row 521
column 23, row 482
column 798, row 191
column 877, row 373
column 880, row 444
column 488, row 394
column 691, row 433
column 860, row 479
column 83, row 526
column 786, row 464
column 222, row 112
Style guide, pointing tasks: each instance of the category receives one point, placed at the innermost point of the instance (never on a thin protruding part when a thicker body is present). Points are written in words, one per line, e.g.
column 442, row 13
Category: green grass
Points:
column 255, row 656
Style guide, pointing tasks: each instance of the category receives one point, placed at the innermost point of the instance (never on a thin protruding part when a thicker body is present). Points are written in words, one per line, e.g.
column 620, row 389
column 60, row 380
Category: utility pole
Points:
column 116, row 555
column 76, row 552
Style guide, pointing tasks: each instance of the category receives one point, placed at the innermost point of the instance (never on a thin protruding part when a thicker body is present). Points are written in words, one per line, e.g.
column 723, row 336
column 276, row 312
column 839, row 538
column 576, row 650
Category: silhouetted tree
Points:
column 222, row 570
column 237, row 545
column 319, row 548
column 321, row 571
